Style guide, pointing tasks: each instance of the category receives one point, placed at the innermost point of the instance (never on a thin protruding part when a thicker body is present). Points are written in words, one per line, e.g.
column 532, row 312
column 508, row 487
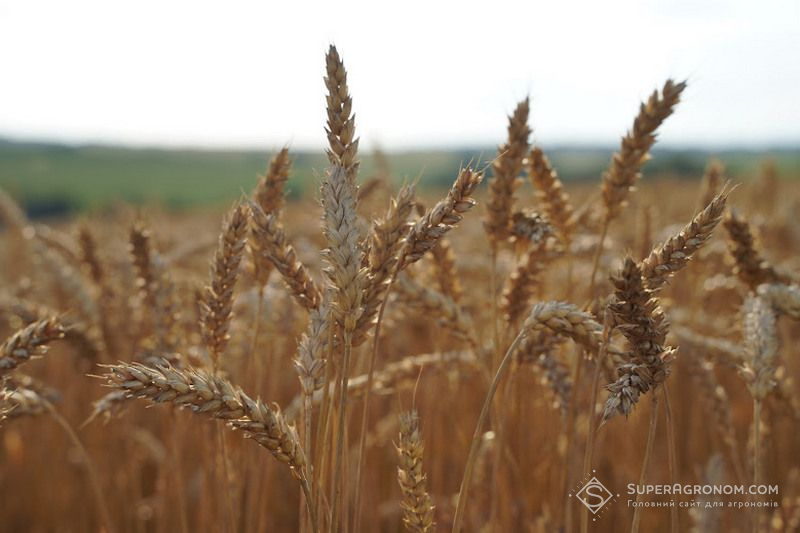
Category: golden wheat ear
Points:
column 217, row 304
column 417, row 504
column 625, row 168
column 506, row 170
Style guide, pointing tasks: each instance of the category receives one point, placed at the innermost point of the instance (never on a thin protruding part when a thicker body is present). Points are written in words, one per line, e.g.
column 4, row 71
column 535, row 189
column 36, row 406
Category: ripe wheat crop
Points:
column 453, row 361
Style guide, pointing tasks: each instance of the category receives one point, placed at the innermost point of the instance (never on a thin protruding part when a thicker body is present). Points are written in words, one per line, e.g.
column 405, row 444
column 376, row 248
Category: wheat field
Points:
column 374, row 359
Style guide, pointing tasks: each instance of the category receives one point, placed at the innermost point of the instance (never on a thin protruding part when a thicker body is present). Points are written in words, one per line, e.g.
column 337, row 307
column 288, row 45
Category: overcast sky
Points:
column 422, row 73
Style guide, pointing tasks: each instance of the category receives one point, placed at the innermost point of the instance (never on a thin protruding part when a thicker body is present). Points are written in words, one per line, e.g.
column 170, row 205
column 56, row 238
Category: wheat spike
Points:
column 214, row 397
column 28, row 342
column 343, row 254
column 506, row 170
column 760, row 346
column 624, row 171
column 712, row 181
column 217, row 305
column 441, row 218
column 554, row 201
column 567, row 320
column 672, row 255
column 341, row 128
column 417, row 503
column 642, row 322
column 750, row 266
column 386, row 240
column 272, row 246
column 270, row 196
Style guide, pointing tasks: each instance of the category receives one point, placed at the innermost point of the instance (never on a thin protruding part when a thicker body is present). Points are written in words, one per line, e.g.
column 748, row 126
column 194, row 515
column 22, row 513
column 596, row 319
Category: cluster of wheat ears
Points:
column 413, row 376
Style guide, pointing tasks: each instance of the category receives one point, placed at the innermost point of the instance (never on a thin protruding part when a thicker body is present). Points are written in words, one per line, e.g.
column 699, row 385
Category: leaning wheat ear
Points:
column 386, row 240
column 750, row 266
column 212, row 396
column 441, row 218
column 270, row 245
column 506, row 169
column 672, row 255
column 217, row 302
column 270, row 196
column 625, row 168
column 29, row 342
column 417, row 503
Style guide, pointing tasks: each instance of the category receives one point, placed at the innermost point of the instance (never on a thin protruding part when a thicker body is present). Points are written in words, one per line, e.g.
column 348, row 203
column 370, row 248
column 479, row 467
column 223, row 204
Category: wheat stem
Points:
column 648, row 452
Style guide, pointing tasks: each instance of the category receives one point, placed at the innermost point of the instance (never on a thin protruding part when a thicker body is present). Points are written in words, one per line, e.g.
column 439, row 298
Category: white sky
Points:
column 422, row 73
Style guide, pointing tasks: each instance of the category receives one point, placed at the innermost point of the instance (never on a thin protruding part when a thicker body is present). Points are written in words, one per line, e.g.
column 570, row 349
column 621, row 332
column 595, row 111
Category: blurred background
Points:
column 182, row 103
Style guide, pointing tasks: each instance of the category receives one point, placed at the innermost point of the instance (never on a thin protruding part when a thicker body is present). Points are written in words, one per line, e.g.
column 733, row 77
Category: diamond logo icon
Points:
column 594, row 495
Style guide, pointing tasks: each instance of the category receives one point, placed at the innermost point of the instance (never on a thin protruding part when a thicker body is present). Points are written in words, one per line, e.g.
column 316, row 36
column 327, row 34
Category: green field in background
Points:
column 52, row 179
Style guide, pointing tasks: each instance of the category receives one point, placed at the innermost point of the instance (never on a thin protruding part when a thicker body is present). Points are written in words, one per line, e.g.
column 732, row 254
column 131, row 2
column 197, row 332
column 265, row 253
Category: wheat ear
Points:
column 215, row 397
column 341, row 127
column 506, row 169
column 712, row 181
column 217, row 302
column 270, row 245
column 625, row 168
column 417, row 503
column 28, row 342
column 386, row 240
column 673, row 254
column 441, row 218
column 270, row 196
column 554, row 201
column 750, row 266
column 642, row 322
